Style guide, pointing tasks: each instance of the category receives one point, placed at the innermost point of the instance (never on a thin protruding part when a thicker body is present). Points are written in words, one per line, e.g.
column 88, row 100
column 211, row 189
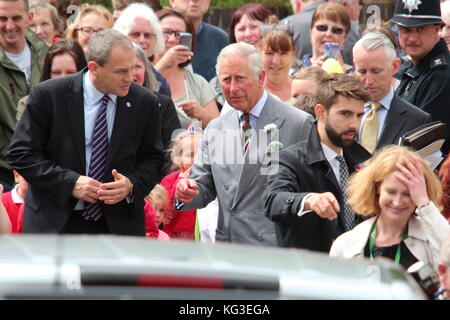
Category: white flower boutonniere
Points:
column 273, row 147
column 270, row 127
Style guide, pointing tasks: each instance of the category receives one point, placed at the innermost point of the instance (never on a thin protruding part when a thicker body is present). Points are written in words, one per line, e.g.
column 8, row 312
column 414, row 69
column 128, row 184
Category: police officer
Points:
column 425, row 79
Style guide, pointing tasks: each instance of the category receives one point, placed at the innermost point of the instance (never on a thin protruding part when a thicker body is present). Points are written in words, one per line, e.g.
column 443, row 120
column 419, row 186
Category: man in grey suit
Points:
column 376, row 63
column 233, row 161
column 300, row 24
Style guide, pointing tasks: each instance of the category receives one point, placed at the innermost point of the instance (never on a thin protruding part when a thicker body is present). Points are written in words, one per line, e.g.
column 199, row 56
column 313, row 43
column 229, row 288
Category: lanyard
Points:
column 373, row 235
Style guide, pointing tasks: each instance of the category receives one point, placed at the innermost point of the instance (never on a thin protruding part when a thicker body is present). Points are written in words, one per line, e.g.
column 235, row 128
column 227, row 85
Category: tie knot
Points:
column 245, row 116
column 105, row 99
column 376, row 105
column 340, row 158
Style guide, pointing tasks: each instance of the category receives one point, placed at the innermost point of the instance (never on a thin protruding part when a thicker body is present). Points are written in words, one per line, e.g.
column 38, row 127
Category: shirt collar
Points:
column 200, row 28
column 329, row 153
column 385, row 101
column 93, row 96
column 256, row 110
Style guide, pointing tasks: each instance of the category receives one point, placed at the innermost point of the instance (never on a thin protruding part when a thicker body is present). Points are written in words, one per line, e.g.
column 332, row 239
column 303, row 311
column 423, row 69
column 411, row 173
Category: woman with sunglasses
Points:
column 194, row 98
column 330, row 23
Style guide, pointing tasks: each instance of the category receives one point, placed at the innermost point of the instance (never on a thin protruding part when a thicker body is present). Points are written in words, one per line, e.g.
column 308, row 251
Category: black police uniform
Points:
column 427, row 85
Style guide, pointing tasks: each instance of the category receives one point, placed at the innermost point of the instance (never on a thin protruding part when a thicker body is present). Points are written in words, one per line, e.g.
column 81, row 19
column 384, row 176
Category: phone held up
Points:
column 330, row 50
column 186, row 39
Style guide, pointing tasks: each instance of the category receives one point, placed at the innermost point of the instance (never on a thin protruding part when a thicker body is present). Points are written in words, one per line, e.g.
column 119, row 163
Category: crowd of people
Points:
column 147, row 121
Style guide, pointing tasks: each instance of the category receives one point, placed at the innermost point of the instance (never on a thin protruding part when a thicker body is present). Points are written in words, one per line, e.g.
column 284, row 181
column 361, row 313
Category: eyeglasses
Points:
column 147, row 35
column 88, row 31
column 167, row 33
column 324, row 28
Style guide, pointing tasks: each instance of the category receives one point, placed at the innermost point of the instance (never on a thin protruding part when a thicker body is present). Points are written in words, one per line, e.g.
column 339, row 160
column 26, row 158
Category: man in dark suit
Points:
column 89, row 145
column 388, row 117
column 305, row 197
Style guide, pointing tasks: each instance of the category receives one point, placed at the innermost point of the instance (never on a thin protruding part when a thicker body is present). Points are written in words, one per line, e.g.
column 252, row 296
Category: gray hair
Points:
column 373, row 40
column 103, row 42
column 56, row 20
column 126, row 20
column 150, row 81
column 244, row 50
column 445, row 251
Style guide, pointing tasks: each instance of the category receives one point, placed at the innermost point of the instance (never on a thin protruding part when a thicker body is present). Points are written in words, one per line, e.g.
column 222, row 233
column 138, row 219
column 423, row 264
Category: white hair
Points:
column 373, row 40
column 127, row 18
column 244, row 50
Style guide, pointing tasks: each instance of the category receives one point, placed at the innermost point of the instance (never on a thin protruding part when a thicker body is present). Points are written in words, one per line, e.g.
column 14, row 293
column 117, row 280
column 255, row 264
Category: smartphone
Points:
column 330, row 50
column 186, row 39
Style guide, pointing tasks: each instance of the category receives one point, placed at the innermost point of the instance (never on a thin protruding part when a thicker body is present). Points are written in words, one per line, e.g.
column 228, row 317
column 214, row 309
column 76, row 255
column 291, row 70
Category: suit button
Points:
column 232, row 212
column 226, row 187
column 260, row 238
column 290, row 200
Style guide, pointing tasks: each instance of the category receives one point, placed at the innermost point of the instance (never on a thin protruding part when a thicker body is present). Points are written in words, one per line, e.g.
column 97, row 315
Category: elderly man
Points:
column 210, row 39
column 90, row 146
column 388, row 117
column 232, row 162
column 22, row 56
column 305, row 198
column 425, row 80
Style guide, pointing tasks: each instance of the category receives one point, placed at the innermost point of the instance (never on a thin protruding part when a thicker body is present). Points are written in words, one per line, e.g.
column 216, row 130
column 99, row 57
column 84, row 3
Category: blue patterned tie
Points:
column 349, row 216
column 97, row 165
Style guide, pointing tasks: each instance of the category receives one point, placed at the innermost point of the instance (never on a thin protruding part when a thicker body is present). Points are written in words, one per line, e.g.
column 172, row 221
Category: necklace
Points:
column 373, row 235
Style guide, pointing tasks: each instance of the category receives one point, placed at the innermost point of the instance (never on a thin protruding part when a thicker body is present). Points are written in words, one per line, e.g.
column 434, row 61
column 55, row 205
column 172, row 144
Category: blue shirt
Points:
column 255, row 111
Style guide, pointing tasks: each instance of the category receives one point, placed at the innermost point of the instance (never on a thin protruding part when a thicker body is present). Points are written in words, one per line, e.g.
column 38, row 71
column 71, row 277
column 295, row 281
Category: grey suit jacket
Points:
column 220, row 168
column 300, row 24
column 401, row 118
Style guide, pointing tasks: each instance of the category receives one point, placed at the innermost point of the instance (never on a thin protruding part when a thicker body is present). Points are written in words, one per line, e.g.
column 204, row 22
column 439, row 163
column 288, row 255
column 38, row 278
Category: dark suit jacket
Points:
column 48, row 150
column 303, row 169
column 401, row 118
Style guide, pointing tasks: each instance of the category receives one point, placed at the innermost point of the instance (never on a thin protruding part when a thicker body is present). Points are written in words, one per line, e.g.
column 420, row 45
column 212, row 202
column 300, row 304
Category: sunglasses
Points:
column 324, row 28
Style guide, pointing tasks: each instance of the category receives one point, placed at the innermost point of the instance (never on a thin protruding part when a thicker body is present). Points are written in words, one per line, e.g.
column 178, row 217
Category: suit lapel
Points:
column 233, row 156
column 393, row 124
column 74, row 105
column 257, row 149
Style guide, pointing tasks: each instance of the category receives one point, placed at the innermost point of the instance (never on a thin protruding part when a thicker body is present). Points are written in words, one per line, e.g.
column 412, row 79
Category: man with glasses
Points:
column 22, row 56
column 425, row 80
column 210, row 39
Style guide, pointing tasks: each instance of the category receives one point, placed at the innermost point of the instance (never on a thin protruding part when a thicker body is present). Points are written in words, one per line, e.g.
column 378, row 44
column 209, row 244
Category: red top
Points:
column 181, row 221
column 15, row 212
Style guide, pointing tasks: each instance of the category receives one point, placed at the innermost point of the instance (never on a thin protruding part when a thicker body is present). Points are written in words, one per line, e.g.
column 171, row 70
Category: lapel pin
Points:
column 128, row 105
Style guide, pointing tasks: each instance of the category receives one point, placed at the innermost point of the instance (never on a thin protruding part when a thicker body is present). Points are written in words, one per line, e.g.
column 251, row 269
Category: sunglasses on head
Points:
column 324, row 28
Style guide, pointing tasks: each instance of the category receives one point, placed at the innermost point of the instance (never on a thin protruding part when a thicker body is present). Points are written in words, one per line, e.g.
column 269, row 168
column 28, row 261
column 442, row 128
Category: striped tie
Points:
column 245, row 131
column 97, row 165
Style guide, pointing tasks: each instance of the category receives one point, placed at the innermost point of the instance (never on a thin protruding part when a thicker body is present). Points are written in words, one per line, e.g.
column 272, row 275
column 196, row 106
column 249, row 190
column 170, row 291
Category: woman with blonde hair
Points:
column 89, row 20
column 401, row 191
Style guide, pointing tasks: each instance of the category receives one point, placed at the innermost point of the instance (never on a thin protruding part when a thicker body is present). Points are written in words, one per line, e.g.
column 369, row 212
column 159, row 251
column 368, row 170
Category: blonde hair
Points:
column 176, row 146
column 158, row 195
column 363, row 185
column 72, row 29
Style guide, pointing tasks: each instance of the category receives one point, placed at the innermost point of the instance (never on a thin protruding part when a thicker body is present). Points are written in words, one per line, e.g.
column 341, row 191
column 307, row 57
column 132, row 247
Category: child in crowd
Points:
column 5, row 223
column 184, row 147
column 13, row 202
column 156, row 207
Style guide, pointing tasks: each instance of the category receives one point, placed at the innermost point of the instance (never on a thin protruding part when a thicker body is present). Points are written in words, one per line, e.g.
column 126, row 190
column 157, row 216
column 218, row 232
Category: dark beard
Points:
column 337, row 139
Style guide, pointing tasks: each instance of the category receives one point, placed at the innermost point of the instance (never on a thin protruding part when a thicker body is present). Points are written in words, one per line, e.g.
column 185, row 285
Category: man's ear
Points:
column 29, row 16
column 93, row 67
column 395, row 65
column 261, row 77
column 320, row 111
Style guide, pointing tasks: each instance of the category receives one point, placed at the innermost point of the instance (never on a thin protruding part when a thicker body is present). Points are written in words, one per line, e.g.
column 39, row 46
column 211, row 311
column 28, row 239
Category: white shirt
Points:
column 22, row 60
column 381, row 113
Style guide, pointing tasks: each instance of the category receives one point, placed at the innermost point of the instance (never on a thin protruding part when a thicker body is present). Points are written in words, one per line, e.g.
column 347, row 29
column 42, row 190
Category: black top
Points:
column 407, row 259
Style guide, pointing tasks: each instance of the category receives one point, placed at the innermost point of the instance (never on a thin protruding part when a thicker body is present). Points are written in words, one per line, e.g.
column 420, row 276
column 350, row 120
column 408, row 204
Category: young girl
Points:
column 156, row 207
column 181, row 224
